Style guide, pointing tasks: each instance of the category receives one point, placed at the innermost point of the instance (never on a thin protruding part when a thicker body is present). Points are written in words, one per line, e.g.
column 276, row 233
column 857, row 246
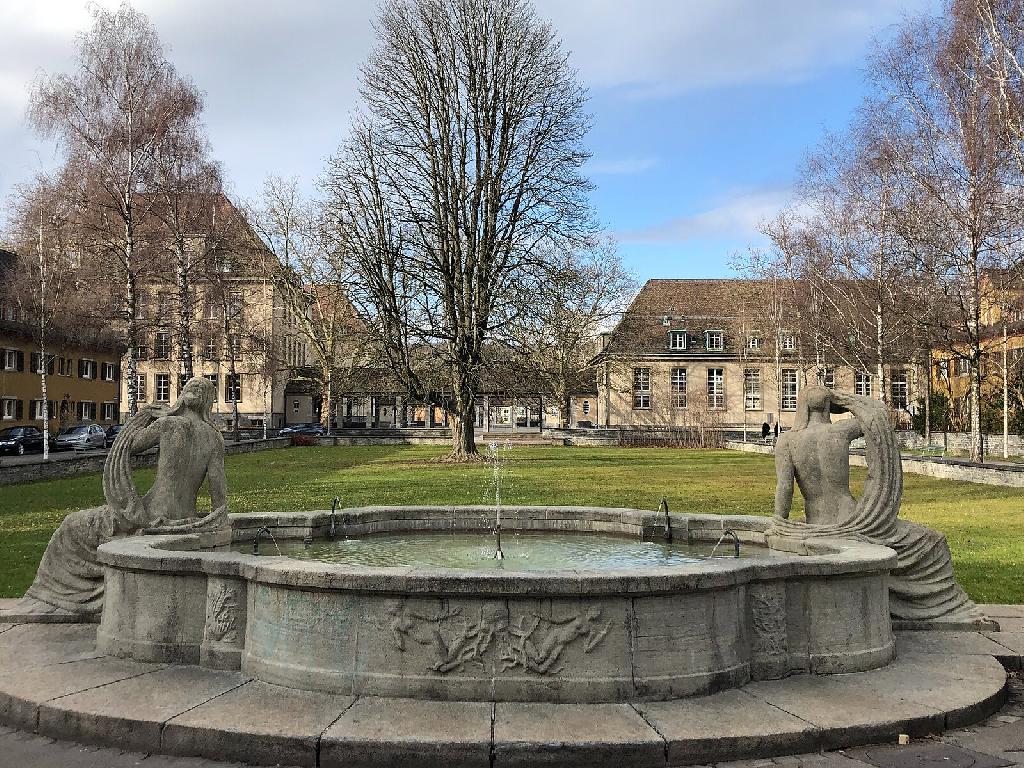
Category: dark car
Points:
column 112, row 432
column 311, row 430
column 80, row 438
column 20, row 440
column 294, row 429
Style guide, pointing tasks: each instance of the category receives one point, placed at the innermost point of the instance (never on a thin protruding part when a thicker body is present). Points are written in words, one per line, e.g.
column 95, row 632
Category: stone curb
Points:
column 936, row 684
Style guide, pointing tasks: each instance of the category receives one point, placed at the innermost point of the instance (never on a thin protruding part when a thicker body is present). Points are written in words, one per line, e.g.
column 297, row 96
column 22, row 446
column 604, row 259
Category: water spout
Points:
column 494, row 453
column 263, row 529
column 334, row 520
column 728, row 532
column 663, row 508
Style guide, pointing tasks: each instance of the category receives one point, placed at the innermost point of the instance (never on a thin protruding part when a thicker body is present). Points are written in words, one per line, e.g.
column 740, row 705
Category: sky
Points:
column 702, row 109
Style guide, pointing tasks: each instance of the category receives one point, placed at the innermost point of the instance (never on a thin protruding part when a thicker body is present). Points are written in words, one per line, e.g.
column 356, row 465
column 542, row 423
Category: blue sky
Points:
column 703, row 109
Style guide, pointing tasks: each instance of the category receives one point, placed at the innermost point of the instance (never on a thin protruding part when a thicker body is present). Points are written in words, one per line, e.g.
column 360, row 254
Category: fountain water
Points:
column 494, row 455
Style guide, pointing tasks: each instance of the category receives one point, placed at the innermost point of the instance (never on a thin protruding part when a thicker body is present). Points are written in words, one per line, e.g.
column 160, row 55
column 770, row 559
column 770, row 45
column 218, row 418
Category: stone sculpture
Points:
column 69, row 582
column 815, row 453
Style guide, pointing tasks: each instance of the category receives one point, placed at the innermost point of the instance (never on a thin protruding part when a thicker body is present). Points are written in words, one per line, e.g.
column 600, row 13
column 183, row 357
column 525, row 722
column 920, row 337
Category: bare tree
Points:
column 941, row 117
column 582, row 292
column 311, row 277
column 472, row 147
column 112, row 116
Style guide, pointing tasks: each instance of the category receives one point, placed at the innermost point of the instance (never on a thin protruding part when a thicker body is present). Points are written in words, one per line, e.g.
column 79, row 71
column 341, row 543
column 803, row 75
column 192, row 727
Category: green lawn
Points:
column 983, row 523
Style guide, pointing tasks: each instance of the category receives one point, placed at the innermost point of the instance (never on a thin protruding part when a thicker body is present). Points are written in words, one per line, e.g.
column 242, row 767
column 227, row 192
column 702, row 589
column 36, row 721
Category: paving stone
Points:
column 5, row 627
column 947, row 643
column 856, row 709
column 566, row 735
column 132, row 712
column 730, row 724
column 409, row 733
column 1012, row 644
column 256, row 723
column 923, row 754
column 33, row 645
column 22, row 692
column 1011, row 624
column 1001, row 610
column 995, row 741
column 820, row 760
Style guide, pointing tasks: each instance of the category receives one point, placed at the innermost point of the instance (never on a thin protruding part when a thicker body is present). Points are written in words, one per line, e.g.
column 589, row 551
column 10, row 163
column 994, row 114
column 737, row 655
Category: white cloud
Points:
column 737, row 217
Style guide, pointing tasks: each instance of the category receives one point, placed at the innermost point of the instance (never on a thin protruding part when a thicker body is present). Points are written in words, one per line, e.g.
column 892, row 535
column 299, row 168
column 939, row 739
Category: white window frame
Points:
column 86, row 410
column 88, row 368
column 8, row 408
column 678, row 340
column 901, row 379
column 716, row 389
column 162, row 345
column 140, row 387
column 641, row 389
column 157, row 380
column 717, row 334
column 585, row 407
column 233, row 392
column 828, row 377
column 862, row 384
column 677, row 387
column 753, row 399
column 790, row 384
column 787, row 342
column 105, row 369
column 10, row 360
column 109, row 411
column 38, row 408
column 753, row 342
column 211, row 349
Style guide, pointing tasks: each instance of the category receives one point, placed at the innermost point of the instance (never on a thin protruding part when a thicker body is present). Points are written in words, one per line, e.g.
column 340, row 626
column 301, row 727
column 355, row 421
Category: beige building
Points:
column 244, row 338
column 718, row 353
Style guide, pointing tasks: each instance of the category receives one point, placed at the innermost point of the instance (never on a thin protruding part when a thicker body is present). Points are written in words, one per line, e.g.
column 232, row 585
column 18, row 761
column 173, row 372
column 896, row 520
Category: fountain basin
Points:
column 562, row 635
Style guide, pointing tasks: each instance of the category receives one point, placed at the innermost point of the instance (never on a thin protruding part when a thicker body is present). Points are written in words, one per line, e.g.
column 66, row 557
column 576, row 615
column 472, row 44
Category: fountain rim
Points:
column 794, row 558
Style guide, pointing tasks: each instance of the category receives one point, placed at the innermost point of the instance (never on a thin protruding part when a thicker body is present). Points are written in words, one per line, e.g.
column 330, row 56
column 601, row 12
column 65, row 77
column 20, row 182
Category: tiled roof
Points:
column 737, row 307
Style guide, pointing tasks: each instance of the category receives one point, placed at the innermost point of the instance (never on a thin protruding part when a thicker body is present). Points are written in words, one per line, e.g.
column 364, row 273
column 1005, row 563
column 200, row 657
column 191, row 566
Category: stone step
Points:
column 51, row 681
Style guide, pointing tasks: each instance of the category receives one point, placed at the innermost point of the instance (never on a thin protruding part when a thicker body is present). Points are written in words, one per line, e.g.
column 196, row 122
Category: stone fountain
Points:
column 667, row 624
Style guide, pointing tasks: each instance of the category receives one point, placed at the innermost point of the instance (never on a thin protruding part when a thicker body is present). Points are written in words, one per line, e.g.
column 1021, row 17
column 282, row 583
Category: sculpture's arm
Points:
column 147, row 438
column 861, row 407
column 784, row 476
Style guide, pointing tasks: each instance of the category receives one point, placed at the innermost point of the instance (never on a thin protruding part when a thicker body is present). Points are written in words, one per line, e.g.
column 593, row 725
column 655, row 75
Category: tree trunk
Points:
column 565, row 416
column 42, row 346
column 928, row 399
column 463, row 434
column 1006, row 397
column 977, row 439
column 184, row 312
column 325, row 415
column 132, row 331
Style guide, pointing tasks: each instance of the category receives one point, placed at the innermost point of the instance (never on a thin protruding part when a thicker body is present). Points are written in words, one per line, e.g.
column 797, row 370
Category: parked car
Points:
column 293, row 429
column 112, row 432
column 20, row 440
column 311, row 430
column 80, row 438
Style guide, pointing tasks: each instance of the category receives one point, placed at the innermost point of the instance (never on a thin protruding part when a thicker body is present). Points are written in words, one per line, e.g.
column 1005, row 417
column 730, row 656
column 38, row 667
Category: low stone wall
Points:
column 15, row 474
column 960, row 442
column 1008, row 475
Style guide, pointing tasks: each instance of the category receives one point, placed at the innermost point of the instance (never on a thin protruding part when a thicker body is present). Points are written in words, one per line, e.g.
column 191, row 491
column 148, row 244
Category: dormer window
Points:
column 714, row 341
column 787, row 342
column 677, row 340
column 753, row 342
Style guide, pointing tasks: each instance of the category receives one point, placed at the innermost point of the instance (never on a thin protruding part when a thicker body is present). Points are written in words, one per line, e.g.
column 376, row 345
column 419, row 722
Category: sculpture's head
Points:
column 198, row 395
column 814, row 402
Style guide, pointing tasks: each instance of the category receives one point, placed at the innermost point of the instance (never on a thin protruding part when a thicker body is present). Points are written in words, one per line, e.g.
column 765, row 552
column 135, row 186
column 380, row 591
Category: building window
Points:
column 36, row 363
column 295, row 406
column 235, row 345
column 233, row 388
column 182, row 381
column 39, row 407
column 235, row 306
column 212, row 378
column 142, row 352
column 942, row 366
column 212, row 311
column 210, row 350
column 586, row 407
column 790, row 389
column 900, row 391
column 716, row 388
column 87, row 369
column 9, row 358
column 787, row 342
column 678, row 387
column 753, row 342
column 86, row 411
column 108, row 371
column 140, row 387
column 110, row 411
column 641, row 388
column 162, row 347
column 862, row 384
column 714, row 341
column 163, row 387
column 827, row 377
column 677, row 340
column 963, row 366
column 8, row 408
column 752, row 389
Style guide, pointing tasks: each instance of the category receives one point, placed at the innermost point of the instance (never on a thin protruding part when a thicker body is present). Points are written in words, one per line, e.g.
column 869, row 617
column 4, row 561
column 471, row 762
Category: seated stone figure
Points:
column 69, row 582
column 815, row 453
